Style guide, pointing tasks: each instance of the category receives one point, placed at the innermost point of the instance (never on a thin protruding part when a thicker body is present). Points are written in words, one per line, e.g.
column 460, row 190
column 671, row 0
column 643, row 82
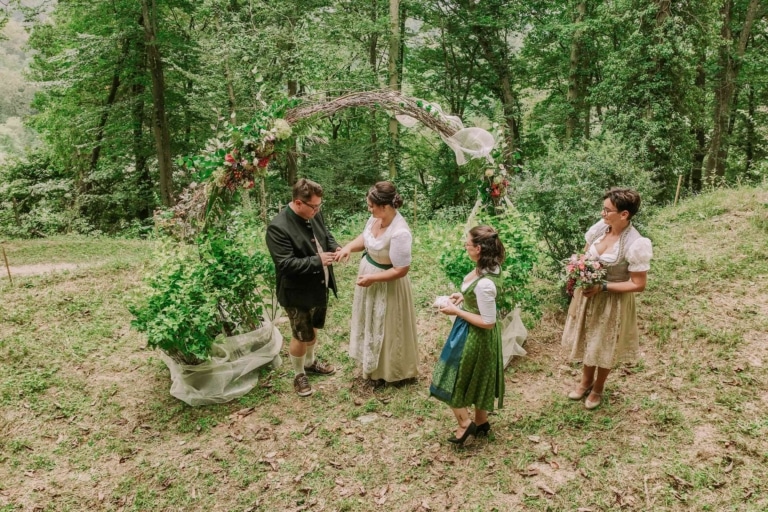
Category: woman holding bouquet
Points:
column 383, row 335
column 601, row 328
column 470, row 370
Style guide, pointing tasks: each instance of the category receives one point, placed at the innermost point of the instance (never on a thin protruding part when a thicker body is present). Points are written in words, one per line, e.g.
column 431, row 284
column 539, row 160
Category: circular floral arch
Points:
column 239, row 156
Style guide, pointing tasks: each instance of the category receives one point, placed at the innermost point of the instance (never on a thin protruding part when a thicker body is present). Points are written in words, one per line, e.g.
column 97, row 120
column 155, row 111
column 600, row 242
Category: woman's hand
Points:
column 342, row 254
column 456, row 298
column 592, row 290
column 365, row 280
column 450, row 309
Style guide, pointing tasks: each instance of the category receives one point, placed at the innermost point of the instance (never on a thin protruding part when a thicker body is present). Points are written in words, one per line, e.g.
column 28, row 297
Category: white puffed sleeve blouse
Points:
column 638, row 254
column 397, row 235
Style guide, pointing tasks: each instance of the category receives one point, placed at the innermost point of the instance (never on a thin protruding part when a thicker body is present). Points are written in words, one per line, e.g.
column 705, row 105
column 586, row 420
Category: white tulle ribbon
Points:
column 470, row 142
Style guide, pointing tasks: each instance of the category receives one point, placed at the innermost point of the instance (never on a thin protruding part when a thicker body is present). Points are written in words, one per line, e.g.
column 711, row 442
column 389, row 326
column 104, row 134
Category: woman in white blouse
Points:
column 470, row 370
column 601, row 328
column 383, row 332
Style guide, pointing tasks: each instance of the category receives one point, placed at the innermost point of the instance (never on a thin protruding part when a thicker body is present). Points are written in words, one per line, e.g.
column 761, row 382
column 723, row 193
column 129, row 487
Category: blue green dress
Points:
column 470, row 370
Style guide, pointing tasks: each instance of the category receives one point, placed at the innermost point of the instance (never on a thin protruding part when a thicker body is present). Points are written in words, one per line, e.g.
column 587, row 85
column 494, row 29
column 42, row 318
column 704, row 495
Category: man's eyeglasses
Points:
column 607, row 211
column 314, row 207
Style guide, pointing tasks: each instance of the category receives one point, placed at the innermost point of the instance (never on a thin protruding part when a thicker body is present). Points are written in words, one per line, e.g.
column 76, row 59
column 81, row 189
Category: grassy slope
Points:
column 86, row 421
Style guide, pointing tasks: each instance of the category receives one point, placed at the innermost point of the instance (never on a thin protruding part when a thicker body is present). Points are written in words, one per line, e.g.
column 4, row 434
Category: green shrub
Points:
column 200, row 293
column 565, row 189
column 518, row 234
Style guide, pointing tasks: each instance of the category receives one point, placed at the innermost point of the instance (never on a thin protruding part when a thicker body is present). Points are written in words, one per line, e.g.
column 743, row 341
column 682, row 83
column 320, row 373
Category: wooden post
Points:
column 677, row 192
column 7, row 267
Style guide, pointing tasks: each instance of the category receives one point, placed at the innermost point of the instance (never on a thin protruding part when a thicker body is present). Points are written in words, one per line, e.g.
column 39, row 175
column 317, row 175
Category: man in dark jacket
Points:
column 303, row 250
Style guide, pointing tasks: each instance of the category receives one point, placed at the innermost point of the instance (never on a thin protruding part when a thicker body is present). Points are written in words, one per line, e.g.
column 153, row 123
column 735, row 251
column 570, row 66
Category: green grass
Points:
column 87, row 422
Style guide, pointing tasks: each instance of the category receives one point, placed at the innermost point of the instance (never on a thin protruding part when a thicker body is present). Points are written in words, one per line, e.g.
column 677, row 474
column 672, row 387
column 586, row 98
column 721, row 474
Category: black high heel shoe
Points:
column 470, row 431
column 483, row 429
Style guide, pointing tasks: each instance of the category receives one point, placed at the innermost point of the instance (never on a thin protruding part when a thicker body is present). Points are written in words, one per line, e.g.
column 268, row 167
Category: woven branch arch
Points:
column 243, row 159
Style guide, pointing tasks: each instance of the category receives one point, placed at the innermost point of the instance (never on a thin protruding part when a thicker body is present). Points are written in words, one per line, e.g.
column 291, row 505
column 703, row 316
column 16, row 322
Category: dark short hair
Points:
column 624, row 199
column 304, row 189
column 384, row 193
column 492, row 251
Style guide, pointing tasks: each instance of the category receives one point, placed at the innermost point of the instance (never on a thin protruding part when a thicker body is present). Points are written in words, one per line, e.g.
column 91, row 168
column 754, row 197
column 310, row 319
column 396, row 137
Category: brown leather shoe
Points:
column 301, row 385
column 320, row 368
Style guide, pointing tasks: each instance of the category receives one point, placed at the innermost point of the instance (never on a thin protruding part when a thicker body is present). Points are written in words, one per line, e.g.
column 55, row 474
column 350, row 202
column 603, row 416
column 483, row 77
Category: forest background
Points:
column 100, row 101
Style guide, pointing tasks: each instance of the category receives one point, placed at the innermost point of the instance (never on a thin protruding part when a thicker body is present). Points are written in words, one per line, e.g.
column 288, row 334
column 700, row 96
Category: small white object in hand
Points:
column 442, row 301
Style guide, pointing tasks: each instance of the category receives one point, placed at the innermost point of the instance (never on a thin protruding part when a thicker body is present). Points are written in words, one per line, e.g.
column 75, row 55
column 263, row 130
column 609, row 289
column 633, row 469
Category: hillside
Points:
column 86, row 421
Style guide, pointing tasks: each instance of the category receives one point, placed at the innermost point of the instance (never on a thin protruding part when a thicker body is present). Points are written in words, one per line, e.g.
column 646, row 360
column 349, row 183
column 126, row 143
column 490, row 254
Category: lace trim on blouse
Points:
column 638, row 254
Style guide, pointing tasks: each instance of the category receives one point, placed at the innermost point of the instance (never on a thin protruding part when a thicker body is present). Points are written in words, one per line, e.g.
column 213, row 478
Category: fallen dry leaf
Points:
column 534, row 439
column 546, row 489
column 529, row 472
column 272, row 464
column 679, row 481
column 245, row 412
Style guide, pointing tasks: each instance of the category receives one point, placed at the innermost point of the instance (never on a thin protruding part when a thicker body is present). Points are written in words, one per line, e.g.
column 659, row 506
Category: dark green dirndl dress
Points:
column 470, row 370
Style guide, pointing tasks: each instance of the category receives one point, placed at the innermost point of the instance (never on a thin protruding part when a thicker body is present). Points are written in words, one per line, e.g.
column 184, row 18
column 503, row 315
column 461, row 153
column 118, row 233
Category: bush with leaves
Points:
column 35, row 199
column 564, row 190
column 518, row 234
column 216, row 288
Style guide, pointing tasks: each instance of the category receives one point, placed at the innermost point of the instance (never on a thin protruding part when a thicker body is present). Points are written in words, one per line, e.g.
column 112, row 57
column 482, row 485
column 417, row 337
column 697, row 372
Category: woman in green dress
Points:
column 470, row 370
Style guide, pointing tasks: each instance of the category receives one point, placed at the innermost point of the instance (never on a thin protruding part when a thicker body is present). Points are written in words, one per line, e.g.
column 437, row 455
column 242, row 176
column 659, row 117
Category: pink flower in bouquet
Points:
column 582, row 271
column 263, row 162
column 229, row 159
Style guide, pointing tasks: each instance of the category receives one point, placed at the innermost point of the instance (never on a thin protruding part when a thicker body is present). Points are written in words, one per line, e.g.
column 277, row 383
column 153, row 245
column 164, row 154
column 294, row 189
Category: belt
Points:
column 376, row 263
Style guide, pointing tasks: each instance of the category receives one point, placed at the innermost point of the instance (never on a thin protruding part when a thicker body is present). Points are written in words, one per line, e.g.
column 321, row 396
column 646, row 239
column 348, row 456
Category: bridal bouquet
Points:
column 582, row 271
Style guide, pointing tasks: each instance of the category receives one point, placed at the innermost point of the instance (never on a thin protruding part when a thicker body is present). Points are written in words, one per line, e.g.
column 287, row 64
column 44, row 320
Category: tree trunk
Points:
column 506, row 94
column 700, row 151
column 107, row 107
column 575, row 82
column 749, row 149
column 160, row 118
column 731, row 53
column 139, row 154
column 291, row 155
column 495, row 49
column 394, row 83
column 373, row 51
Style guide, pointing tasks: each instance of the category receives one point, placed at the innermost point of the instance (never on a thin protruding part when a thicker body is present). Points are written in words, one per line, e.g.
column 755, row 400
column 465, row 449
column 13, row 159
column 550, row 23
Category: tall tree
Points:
column 160, row 118
column 577, row 70
column 731, row 52
column 394, row 82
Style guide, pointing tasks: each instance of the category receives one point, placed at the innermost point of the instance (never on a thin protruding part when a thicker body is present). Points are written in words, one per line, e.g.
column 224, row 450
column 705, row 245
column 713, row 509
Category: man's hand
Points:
column 327, row 258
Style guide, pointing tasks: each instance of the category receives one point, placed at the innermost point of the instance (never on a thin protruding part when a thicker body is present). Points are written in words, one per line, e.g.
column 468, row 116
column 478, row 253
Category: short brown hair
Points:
column 624, row 199
column 304, row 189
